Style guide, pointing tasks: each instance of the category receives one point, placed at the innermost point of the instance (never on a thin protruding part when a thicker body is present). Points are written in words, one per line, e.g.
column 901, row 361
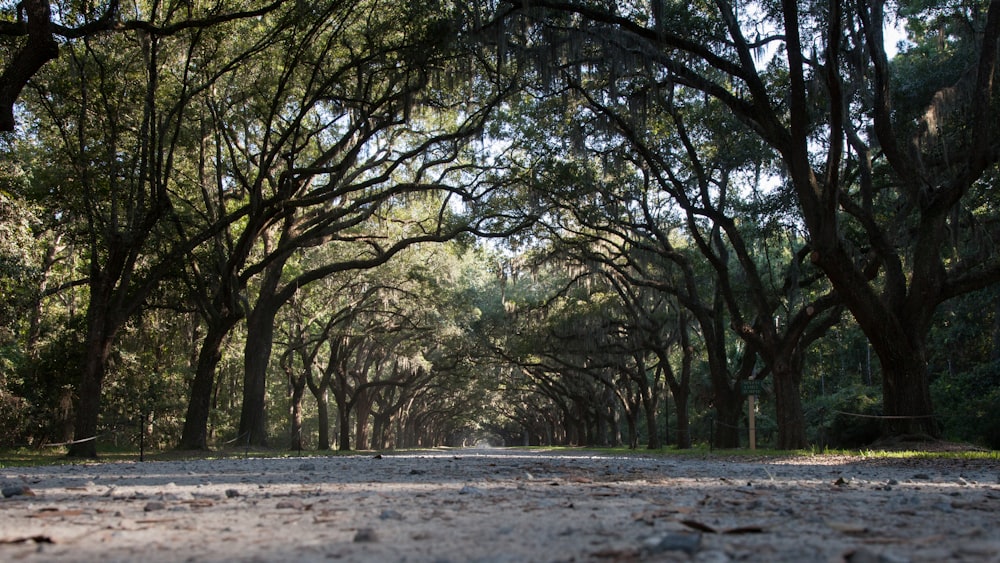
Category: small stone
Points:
column 865, row 555
column 232, row 493
column 153, row 506
column 293, row 504
column 17, row 491
column 417, row 471
column 470, row 490
column 921, row 476
column 688, row 543
column 365, row 535
column 389, row 514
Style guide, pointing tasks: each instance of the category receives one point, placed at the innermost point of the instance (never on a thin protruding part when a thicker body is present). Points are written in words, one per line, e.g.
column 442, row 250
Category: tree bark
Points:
column 40, row 48
column 295, row 415
column 362, row 408
column 788, row 406
column 683, row 419
column 257, row 356
column 344, row 425
column 194, row 436
column 652, row 428
column 88, row 408
column 101, row 328
column 906, row 399
column 323, row 419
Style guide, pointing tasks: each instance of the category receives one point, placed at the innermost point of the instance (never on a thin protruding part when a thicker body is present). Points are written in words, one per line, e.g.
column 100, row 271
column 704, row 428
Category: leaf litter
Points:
column 494, row 505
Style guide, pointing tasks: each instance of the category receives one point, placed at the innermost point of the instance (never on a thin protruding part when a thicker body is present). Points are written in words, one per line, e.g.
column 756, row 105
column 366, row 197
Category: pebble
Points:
column 687, row 543
column 389, row 514
column 17, row 491
column 865, row 555
column 509, row 517
column 470, row 490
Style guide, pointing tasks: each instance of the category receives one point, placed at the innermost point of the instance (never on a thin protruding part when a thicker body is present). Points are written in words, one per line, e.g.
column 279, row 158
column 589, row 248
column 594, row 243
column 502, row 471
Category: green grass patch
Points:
column 986, row 455
column 28, row 457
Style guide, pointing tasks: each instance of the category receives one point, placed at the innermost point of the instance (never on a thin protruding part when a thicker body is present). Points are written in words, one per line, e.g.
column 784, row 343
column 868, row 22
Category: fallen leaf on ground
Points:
column 26, row 539
column 847, row 527
column 55, row 512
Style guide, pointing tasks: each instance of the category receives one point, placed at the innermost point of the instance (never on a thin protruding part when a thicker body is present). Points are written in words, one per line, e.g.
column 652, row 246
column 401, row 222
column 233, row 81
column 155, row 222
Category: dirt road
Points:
column 496, row 505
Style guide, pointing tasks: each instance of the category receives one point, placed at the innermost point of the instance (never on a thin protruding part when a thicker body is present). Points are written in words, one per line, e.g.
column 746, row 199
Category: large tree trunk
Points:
column 257, row 355
column 295, row 414
column 649, row 408
column 88, row 408
column 906, row 398
column 362, row 409
column 728, row 413
column 344, row 425
column 323, row 418
column 788, row 406
column 100, row 331
column 897, row 336
column 194, row 436
column 683, row 419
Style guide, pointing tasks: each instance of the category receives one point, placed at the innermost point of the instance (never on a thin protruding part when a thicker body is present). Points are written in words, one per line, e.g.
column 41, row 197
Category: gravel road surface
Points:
column 500, row 505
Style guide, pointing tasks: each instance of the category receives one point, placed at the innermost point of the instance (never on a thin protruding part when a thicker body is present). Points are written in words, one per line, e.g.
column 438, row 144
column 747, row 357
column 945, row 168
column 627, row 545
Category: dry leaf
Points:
column 36, row 539
column 847, row 527
column 694, row 524
column 55, row 512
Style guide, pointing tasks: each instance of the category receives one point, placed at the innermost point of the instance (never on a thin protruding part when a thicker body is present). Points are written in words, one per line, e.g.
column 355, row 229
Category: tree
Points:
column 824, row 105
column 118, row 136
column 33, row 20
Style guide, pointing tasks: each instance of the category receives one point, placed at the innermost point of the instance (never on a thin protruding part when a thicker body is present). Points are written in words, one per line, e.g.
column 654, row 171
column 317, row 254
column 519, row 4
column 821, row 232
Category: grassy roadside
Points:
column 932, row 451
column 27, row 457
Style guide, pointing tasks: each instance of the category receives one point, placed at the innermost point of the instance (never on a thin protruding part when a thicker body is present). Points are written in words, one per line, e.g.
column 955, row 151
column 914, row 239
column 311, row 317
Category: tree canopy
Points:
column 365, row 224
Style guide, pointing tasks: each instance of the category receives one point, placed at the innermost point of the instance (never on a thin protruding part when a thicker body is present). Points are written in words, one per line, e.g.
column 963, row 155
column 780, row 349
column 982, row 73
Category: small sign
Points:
column 752, row 387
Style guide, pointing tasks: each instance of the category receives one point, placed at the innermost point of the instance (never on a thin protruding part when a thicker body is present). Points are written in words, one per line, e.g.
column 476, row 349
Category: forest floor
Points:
column 500, row 505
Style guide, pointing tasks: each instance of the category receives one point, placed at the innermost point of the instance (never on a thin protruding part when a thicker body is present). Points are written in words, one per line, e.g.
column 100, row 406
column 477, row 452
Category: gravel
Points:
column 499, row 505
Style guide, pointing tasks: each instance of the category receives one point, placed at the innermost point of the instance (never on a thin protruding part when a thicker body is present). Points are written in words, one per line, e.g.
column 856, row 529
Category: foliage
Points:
column 969, row 402
column 531, row 222
column 848, row 418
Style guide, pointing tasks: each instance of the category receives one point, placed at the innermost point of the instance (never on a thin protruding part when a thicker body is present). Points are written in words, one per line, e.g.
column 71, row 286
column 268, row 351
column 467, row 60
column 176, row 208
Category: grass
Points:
column 987, row 455
column 703, row 450
column 28, row 457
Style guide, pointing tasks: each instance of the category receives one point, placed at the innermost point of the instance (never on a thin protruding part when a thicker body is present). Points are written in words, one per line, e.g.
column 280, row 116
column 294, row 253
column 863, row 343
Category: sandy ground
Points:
column 496, row 505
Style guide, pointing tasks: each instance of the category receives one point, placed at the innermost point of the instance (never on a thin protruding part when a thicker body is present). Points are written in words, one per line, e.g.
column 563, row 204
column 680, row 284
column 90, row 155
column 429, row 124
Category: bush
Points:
column 845, row 419
column 967, row 404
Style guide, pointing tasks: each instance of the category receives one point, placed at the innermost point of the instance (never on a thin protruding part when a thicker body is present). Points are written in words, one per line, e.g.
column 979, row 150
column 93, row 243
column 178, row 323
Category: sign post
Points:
column 751, row 388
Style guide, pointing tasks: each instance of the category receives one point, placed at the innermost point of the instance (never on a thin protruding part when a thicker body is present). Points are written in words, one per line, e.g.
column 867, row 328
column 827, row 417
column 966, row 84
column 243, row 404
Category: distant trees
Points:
column 823, row 104
column 245, row 208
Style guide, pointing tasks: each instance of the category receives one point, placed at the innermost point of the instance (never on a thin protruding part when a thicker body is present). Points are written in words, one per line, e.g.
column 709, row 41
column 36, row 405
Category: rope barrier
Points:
column 886, row 417
column 69, row 443
column 717, row 423
column 236, row 438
